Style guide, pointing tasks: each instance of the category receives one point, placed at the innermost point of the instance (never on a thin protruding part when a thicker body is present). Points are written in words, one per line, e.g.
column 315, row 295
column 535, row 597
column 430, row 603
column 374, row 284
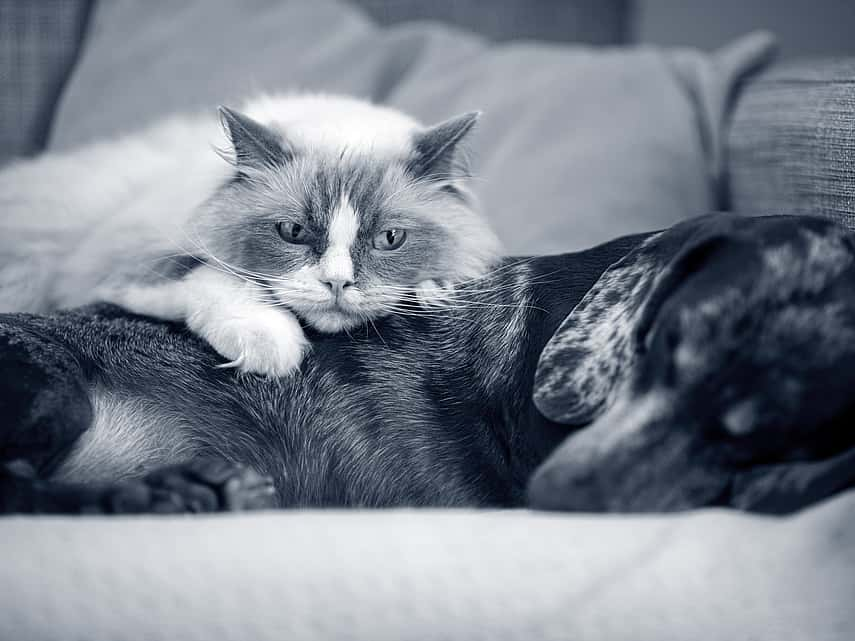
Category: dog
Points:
column 708, row 364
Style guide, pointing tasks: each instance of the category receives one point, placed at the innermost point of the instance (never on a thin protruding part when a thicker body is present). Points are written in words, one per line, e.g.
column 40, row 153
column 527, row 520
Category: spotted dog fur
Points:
column 709, row 364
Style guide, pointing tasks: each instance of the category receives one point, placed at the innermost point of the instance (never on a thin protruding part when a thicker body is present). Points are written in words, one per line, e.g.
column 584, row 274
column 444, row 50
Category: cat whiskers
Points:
column 433, row 314
column 497, row 270
column 208, row 256
column 456, row 300
column 377, row 331
column 463, row 296
column 254, row 277
column 397, row 305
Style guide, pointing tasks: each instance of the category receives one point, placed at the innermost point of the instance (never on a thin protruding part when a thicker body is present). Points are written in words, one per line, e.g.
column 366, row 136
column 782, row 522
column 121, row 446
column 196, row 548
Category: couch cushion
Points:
column 792, row 145
column 578, row 144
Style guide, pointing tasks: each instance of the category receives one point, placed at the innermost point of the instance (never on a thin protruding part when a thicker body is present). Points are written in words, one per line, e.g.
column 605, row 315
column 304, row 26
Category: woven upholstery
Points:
column 39, row 41
column 792, row 142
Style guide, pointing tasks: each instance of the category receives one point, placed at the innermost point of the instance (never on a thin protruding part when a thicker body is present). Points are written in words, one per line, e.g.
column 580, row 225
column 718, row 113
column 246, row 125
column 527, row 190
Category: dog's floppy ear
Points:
column 590, row 353
column 595, row 349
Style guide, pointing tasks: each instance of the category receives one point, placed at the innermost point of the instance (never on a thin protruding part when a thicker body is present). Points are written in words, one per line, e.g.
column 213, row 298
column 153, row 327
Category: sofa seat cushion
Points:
column 430, row 574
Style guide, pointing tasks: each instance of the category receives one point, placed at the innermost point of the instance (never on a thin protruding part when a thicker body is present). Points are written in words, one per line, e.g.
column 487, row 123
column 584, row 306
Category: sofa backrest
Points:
column 598, row 22
column 40, row 41
column 791, row 144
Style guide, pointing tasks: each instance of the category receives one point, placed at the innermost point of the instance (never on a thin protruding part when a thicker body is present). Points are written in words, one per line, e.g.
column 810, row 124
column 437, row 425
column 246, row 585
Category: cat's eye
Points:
column 292, row 232
column 390, row 239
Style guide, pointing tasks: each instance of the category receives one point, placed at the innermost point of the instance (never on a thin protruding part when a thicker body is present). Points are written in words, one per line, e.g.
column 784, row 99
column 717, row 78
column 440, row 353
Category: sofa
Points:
column 582, row 141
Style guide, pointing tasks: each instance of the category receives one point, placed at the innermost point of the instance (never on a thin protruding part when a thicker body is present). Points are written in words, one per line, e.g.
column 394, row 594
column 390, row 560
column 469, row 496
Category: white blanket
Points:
column 423, row 575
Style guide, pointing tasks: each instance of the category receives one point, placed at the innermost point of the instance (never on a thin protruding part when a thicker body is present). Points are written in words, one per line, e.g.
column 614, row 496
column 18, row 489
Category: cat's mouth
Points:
column 332, row 318
column 334, row 313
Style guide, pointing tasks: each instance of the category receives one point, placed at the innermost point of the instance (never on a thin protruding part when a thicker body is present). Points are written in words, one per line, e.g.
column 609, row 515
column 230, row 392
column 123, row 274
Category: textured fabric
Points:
column 38, row 44
column 425, row 575
column 590, row 21
column 577, row 145
column 792, row 143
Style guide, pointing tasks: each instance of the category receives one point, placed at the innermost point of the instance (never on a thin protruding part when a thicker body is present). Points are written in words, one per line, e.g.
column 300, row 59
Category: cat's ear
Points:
column 436, row 153
column 255, row 146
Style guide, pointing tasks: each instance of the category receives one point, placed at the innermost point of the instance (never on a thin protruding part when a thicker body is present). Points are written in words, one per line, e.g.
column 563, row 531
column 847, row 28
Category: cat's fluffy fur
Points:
column 106, row 220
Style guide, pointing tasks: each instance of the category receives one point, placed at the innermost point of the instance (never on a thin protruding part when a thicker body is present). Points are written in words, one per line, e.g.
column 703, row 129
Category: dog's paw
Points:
column 431, row 293
column 203, row 485
column 269, row 342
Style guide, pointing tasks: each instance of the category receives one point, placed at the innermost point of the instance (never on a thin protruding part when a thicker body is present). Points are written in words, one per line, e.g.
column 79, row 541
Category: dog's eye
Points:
column 390, row 239
column 292, row 232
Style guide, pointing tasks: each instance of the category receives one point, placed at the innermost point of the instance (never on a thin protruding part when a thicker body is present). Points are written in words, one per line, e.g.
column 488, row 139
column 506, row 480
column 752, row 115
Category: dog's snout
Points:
column 561, row 487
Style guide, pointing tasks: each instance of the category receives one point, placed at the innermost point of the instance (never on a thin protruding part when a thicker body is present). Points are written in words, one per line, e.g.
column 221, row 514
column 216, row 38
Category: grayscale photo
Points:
column 427, row 320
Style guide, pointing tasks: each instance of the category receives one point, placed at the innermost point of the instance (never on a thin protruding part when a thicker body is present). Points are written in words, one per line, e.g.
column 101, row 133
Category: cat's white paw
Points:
column 431, row 293
column 269, row 342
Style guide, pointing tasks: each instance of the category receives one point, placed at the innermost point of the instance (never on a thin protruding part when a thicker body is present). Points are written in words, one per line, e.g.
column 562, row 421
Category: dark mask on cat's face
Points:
column 342, row 236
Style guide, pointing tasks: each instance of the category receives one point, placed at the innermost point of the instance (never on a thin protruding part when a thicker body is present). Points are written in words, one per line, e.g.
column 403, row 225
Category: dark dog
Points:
column 723, row 375
column 709, row 364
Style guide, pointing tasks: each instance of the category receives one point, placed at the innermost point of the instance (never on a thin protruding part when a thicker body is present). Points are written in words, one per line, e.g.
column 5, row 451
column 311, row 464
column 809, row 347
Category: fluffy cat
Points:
column 330, row 209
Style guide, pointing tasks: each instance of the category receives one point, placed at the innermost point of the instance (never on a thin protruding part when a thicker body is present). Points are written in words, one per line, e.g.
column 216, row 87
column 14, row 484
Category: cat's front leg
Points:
column 256, row 339
column 230, row 314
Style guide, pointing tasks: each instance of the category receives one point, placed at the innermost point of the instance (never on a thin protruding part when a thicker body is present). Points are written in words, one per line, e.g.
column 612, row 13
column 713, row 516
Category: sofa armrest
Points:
column 39, row 43
column 791, row 145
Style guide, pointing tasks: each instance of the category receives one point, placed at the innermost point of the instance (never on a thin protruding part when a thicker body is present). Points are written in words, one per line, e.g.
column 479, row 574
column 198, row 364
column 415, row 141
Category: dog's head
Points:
column 712, row 365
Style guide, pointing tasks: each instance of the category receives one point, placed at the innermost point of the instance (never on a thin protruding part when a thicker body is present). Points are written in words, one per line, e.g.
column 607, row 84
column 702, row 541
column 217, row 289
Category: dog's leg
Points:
column 203, row 485
column 44, row 406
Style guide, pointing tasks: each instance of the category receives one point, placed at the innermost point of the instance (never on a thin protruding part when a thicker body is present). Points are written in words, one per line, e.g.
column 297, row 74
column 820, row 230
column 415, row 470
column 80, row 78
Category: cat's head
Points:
column 340, row 235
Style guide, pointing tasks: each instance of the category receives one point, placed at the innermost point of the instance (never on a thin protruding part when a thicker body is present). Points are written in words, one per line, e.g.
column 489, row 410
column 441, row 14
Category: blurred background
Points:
column 40, row 39
column 804, row 27
column 572, row 106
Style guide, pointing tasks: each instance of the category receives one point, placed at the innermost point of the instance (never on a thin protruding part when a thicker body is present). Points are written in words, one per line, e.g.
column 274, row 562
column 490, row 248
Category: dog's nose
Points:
column 337, row 285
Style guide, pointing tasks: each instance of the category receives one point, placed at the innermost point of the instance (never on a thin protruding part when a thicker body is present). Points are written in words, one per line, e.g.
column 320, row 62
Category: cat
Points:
column 331, row 211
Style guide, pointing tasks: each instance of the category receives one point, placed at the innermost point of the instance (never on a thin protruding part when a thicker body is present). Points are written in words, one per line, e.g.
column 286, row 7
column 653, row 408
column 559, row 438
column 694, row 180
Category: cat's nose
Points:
column 337, row 285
